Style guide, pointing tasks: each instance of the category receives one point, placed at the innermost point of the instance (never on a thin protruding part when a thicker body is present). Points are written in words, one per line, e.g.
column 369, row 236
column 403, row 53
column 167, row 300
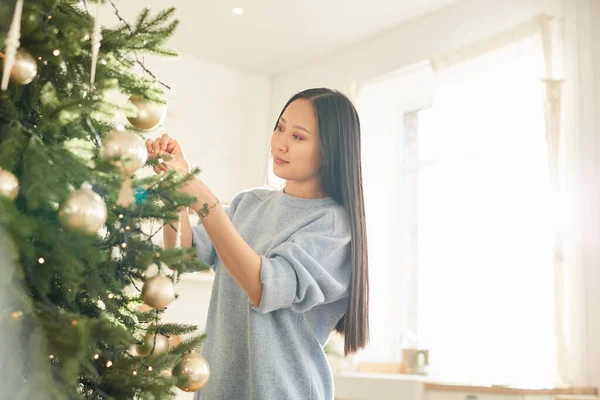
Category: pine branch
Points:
column 169, row 329
column 189, row 345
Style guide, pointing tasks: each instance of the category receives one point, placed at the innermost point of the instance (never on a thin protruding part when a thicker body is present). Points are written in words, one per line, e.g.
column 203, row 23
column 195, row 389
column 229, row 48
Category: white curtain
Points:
column 486, row 221
column 578, row 278
column 499, row 299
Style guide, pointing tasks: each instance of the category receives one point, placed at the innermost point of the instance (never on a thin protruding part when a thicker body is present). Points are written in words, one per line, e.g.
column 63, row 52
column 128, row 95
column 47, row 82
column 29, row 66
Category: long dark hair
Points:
column 341, row 179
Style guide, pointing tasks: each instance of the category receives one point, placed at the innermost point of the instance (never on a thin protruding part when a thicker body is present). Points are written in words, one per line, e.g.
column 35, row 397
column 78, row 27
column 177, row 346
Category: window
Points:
column 459, row 212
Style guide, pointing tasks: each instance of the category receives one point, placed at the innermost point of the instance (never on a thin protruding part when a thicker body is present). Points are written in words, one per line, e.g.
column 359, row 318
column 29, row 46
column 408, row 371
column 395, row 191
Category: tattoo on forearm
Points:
column 206, row 209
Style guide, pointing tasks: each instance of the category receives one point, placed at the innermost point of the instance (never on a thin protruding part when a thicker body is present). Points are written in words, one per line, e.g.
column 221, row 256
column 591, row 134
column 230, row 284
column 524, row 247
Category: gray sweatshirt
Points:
column 275, row 351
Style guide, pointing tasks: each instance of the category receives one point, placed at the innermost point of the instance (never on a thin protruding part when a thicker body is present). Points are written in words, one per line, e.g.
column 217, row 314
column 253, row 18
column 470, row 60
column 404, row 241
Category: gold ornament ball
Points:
column 158, row 291
column 149, row 115
column 159, row 342
column 83, row 209
column 128, row 147
column 24, row 68
column 9, row 184
column 174, row 341
column 195, row 368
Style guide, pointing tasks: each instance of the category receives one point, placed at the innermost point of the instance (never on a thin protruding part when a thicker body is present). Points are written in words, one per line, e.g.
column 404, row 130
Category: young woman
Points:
column 290, row 265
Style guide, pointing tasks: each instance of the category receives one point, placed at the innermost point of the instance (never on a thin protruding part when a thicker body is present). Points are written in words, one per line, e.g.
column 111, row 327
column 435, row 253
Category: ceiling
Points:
column 276, row 36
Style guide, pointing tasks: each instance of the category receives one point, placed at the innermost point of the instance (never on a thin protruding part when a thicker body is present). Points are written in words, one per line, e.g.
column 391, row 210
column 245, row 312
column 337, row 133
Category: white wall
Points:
column 424, row 38
column 219, row 114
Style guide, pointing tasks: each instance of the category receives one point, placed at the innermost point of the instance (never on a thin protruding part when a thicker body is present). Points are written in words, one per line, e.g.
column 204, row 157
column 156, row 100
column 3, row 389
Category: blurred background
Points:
column 480, row 154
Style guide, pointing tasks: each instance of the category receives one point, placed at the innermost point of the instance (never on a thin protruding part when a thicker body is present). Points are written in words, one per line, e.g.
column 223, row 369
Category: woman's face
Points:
column 295, row 143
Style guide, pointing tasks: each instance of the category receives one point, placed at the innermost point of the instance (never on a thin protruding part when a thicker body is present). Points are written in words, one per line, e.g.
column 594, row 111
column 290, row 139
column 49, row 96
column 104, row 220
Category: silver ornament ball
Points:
column 128, row 147
column 9, row 184
column 149, row 115
column 195, row 368
column 158, row 291
column 83, row 210
column 24, row 68
column 159, row 342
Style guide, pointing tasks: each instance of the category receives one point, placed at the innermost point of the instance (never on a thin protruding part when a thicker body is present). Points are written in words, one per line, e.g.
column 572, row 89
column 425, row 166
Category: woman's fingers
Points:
column 173, row 147
column 156, row 146
column 149, row 147
column 163, row 142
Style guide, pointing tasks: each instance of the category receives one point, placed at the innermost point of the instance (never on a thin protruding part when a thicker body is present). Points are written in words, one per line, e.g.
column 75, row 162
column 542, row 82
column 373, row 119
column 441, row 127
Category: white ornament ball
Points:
column 83, row 209
column 159, row 342
column 158, row 291
column 128, row 147
column 24, row 68
column 149, row 115
column 195, row 368
column 9, row 184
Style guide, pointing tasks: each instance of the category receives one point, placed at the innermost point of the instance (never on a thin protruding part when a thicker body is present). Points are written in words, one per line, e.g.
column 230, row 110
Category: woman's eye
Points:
column 279, row 128
column 298, row 137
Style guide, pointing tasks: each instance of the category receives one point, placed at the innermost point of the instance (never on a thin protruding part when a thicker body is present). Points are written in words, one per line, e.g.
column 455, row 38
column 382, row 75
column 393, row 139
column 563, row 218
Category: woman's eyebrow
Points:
column 297, row 126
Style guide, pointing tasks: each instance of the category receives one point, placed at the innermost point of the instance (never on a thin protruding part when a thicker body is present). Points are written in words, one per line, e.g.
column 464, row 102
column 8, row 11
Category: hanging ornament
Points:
column 158, row 291
column 174, row 341
column 96, row 38
column 149, row 115
column 24, row 68
column 83, row 209
column 195, row 368
column 12, row 44
column 143, row 308
column 140, row 194
column 131, row 152
column 9, row 184
column 128, row 147
column 159, row 342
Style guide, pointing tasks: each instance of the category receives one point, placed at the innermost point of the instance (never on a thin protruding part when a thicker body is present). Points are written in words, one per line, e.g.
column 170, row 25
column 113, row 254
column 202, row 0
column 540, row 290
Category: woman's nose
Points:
column 282, row 145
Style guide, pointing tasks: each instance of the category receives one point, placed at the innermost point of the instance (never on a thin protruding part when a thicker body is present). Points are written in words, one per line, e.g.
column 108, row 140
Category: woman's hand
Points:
column 167, row 145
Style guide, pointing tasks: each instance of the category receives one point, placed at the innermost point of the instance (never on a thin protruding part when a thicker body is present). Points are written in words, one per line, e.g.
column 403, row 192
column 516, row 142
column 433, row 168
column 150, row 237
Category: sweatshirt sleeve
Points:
column 308, row 270
column 201, row 241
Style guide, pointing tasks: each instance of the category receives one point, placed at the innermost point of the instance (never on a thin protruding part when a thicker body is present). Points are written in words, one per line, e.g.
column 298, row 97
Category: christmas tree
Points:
column 80, row 316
